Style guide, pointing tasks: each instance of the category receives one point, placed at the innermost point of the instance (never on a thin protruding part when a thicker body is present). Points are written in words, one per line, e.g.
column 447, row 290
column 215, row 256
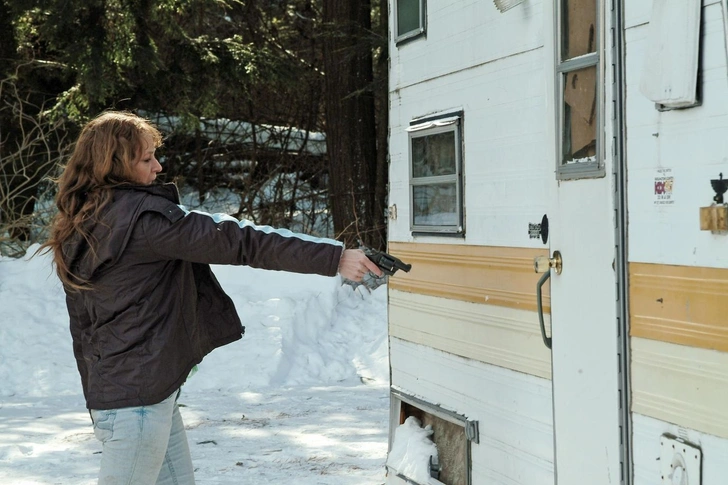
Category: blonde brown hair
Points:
column 102, row 158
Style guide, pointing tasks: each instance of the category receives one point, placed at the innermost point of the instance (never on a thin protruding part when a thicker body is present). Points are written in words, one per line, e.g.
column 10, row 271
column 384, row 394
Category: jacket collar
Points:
column 168, row 191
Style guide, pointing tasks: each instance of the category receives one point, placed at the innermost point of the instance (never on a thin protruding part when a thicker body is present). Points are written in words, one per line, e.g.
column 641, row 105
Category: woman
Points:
column 144, row 305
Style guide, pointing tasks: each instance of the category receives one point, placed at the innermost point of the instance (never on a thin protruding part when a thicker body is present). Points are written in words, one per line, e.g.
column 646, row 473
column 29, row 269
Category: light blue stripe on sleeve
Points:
column 220, row 218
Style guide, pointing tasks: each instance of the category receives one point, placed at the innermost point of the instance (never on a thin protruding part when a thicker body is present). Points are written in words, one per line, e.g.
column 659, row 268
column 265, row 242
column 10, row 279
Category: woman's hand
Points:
column 354, row 264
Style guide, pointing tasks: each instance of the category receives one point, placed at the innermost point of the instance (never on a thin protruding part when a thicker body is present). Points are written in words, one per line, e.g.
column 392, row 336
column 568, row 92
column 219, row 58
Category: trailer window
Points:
column 578, row 71
column 409, row 18
column 435, row 176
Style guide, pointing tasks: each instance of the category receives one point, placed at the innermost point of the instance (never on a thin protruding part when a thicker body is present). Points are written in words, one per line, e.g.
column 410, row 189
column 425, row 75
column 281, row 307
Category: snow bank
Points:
column 300, row 330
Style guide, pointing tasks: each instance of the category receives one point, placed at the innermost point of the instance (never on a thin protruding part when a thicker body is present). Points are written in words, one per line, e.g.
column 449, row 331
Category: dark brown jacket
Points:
column 155, row 308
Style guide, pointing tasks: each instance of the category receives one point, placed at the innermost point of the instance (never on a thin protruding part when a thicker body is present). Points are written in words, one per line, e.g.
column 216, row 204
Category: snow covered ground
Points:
column 302, row 398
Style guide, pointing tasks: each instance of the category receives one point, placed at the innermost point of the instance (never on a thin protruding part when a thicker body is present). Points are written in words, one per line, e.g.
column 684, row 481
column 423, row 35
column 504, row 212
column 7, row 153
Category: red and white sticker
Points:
column 664, row 187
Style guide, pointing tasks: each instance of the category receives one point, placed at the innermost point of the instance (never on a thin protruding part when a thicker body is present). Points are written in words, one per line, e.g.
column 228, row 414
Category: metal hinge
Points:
column 471, row 431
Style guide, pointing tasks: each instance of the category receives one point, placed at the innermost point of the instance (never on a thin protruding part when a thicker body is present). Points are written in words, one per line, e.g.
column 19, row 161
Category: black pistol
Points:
column 386, row 262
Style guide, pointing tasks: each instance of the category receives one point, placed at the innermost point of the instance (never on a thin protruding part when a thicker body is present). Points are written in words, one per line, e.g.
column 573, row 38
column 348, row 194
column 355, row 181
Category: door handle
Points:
column 544, row 264
column 539, row 304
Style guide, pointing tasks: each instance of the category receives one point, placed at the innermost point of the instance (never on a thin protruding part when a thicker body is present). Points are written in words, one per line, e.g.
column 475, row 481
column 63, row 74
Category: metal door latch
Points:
column 542, row 264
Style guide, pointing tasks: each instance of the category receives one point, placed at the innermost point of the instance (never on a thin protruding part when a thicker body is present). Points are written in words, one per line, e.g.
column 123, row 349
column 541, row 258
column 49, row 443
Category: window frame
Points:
column 399, row 38
column 562, row 68
column 451, row 122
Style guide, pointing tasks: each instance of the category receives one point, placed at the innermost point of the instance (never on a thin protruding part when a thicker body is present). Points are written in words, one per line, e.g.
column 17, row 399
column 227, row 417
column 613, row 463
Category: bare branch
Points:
column 32, row 146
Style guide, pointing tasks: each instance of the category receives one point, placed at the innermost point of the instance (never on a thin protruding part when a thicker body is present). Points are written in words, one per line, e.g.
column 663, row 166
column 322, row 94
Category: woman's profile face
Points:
column 146, row 167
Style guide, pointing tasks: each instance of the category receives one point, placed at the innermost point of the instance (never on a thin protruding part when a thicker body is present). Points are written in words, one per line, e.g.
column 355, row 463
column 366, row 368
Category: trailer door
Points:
column 585, row 334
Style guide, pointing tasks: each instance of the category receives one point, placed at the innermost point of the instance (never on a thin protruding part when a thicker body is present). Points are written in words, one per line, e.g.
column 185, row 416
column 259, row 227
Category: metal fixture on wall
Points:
column 504, row 5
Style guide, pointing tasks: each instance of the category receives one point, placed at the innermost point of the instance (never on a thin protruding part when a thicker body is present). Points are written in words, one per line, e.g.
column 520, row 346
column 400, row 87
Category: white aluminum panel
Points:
column 646, row 451
column 637, row 12
column 513, row 410
column 462, row 34
column 688, row 145
column 505, row 158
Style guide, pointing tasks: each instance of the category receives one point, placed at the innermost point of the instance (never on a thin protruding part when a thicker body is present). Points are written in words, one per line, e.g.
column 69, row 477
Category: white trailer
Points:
column 590, row 136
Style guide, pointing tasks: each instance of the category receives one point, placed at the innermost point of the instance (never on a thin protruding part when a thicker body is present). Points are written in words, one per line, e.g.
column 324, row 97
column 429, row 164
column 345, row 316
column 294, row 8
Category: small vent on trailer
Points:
column 452, row 436
column 680, row 461
column 504, row 5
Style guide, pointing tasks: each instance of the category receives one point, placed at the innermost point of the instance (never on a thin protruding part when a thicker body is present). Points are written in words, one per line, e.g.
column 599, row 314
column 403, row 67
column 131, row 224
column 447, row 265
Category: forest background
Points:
column 281, row 104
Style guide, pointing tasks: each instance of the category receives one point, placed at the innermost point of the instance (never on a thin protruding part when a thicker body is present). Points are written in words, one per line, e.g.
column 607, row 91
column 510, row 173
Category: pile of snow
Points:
column 36, row 357
column 300, row 330
column 412, row 449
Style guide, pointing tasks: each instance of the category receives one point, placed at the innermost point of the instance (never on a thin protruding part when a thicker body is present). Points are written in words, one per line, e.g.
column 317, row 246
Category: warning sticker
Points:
column 664, row 187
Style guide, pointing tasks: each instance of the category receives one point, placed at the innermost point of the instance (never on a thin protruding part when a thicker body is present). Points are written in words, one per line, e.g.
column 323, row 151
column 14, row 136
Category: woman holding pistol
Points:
column 144, row 305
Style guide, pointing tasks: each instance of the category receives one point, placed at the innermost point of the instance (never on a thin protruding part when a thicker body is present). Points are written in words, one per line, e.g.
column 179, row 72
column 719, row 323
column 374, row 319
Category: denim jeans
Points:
column 144, row 445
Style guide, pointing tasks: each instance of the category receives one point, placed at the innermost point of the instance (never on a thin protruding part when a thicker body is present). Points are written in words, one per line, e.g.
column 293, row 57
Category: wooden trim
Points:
column 685, row 305
column 493, row 275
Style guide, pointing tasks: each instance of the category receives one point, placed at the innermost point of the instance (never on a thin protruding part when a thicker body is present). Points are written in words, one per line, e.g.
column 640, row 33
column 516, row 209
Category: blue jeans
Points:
column 144, row 445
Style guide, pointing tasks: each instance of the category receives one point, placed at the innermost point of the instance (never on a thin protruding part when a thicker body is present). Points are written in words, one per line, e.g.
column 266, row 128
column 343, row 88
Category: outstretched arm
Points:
column 199, row 237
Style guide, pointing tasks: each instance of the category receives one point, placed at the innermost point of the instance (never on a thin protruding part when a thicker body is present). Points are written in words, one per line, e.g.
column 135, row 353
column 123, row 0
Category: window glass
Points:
column 433, row 155
column 578, row 24
column 579, row 116
column 435, row 205
column 408, row 16
column 436, row 191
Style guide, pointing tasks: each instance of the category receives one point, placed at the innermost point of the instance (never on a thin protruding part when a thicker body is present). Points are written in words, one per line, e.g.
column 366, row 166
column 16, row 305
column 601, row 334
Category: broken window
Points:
column 578, row 75
column 578, row 28
column 435, row 175
column 409, row 18
column 580, row 124
column 439, row 442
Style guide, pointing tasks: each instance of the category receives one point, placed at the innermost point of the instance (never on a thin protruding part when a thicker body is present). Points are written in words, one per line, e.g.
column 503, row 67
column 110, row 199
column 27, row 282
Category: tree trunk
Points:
column 381, row 83
column 351, row 136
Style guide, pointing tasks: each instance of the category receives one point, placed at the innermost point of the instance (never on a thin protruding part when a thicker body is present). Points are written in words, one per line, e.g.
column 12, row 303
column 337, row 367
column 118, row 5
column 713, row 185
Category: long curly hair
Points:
column 103, row 157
